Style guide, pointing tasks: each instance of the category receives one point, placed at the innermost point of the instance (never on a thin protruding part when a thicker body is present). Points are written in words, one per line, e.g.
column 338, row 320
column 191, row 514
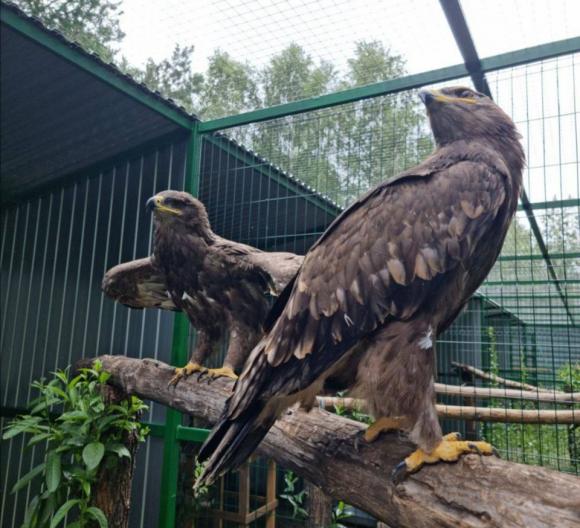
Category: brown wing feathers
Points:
column 380, row 259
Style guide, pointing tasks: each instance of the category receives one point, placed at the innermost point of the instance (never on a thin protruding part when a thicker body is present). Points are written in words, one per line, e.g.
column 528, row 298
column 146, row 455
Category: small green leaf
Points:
column 92, row 454
column 27, row 478
column 53, row 471
column 98, row 515
column 31, row 512
column 38, row 438
column 11, row 431
column 120, row 449
column 62, row 511
column 87, row 488
column 73, row 416
column 48, row 509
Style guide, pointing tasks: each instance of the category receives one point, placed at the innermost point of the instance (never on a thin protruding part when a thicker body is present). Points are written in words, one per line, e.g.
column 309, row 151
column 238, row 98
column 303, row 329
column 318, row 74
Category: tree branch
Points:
column 473, row 414
column 320, row 447
column 498, row 379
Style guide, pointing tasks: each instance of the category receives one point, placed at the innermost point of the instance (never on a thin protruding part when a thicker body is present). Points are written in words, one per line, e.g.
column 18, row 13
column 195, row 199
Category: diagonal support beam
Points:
column 459, row 28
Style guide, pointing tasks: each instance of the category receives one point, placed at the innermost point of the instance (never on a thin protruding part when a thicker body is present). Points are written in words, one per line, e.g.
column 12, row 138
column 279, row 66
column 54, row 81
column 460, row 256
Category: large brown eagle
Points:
column 222, row 286
column 385, row 279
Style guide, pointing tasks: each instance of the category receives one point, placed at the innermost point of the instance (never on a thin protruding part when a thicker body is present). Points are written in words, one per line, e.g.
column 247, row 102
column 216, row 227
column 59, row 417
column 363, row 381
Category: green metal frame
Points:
column 409, row 82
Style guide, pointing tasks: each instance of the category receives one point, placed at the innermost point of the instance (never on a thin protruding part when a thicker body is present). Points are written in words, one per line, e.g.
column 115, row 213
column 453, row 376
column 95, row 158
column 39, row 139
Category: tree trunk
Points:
column 112, row 493
column 319, row 446
column 318, row 506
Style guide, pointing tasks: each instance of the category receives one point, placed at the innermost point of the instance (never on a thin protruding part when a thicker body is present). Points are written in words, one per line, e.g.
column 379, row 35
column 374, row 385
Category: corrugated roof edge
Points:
column 94, row 56
column 292, row 179
column 164, row 100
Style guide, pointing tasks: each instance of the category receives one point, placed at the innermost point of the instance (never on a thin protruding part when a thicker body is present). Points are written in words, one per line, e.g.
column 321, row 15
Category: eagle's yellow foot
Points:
column 449, row 449
column 226, row 372
column 184, row 372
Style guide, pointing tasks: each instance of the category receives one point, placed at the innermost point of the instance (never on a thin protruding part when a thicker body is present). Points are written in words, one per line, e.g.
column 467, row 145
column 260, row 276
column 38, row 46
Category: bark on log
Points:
column 473, row 414
column 475, row 492
column 318, row 506
column 497, row 379
column 486, row 393
column 112, row 492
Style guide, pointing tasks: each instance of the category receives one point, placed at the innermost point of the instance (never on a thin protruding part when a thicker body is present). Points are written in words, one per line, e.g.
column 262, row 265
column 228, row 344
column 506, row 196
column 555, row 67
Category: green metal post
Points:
column 170, row 468
column 179, row 356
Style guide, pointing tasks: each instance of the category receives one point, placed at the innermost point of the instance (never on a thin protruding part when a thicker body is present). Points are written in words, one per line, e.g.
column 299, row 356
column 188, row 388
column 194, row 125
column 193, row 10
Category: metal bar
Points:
column 570, row 255
column 496, row 62
column 170, row 469
column 553, row 204
column 192, row 434
column 458, row 24
column 459, row 28
column 87, row 62
column 526, row 282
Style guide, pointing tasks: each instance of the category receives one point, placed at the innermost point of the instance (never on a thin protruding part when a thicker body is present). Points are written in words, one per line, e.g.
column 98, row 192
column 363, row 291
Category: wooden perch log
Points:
column 497, row 379
column 475, row 414
column 320, row 446
column 544, row 396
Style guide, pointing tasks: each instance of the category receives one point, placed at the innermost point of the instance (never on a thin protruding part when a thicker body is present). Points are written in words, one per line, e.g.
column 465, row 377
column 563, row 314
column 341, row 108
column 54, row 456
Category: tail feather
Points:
column 231, row 442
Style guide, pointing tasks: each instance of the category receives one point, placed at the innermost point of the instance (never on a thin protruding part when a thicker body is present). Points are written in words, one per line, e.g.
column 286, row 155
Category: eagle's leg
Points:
column 384, row 425
column 203, row 348
column 449, row 449
column 242, row 341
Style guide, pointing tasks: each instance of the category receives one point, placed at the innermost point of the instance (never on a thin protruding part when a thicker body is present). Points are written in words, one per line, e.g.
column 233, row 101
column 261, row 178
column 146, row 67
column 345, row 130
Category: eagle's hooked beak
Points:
column 428, row 96
column 155, row 203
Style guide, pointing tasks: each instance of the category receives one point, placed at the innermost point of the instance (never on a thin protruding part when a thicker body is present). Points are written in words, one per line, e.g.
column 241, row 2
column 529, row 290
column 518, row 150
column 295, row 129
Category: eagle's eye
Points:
column 466, row 94
column 172, row 202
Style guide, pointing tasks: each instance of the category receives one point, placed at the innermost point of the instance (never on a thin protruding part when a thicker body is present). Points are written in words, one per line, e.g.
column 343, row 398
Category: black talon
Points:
column 475, row 448
column 357, row 440
column 399, row 472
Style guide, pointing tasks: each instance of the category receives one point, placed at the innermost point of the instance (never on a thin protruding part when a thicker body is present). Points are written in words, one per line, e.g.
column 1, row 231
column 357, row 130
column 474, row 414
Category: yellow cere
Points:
column 446, row 99
column 160, row 207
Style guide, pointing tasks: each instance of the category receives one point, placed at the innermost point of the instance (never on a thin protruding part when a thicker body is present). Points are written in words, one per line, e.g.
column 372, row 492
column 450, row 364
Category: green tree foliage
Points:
column 292, row 74
column 82, row 435
column 173, row 77
column 230, row 87
column 93, row 24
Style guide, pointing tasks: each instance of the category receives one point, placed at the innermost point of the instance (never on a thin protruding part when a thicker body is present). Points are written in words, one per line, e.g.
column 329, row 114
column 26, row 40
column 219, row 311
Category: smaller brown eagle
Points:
column 222, row 286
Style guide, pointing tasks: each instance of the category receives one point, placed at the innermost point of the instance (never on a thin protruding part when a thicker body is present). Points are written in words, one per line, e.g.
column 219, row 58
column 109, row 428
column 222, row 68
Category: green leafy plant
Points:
column 341, row 512
column 295, row 497
column 569, row 376
column 82, row 435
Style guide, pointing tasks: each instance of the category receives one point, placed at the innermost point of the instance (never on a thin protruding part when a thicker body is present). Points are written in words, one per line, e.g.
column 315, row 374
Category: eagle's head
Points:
column 178, row 208
column 459, row 113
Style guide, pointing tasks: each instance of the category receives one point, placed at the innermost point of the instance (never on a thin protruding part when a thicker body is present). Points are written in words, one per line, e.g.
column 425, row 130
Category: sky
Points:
column 254, row 30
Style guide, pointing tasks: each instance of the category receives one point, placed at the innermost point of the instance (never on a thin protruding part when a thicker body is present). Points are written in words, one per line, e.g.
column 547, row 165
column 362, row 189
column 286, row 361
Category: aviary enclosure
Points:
column 274, row 178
